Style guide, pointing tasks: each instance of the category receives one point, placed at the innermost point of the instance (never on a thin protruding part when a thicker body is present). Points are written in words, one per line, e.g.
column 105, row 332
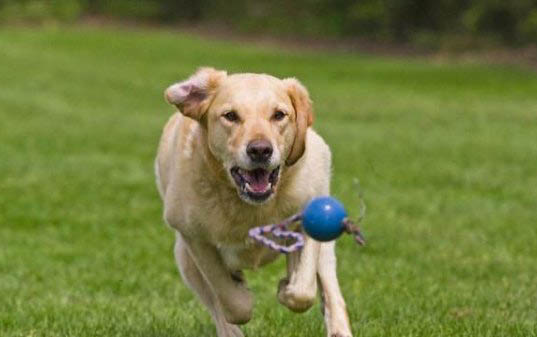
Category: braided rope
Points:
column 279, row 231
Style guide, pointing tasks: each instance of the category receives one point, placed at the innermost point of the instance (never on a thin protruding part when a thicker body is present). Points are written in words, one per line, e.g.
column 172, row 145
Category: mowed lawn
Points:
column 446, row 156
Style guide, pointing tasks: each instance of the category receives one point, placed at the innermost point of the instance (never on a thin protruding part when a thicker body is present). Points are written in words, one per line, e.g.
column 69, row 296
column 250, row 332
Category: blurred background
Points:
column 451, row 24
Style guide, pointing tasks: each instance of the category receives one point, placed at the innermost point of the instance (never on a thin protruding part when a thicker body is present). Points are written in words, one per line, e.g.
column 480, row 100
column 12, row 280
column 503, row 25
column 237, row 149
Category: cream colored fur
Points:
column 211, row 220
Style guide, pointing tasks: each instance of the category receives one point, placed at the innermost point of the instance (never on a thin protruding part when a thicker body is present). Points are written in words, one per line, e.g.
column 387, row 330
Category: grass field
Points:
column 446, row 156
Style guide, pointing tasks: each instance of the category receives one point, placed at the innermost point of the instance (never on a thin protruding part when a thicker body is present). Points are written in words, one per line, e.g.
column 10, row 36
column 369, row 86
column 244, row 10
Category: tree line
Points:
column 427, row 22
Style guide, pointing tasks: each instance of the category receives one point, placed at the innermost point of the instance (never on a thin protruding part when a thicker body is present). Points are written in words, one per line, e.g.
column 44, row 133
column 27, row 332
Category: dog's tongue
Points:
column 258, row 179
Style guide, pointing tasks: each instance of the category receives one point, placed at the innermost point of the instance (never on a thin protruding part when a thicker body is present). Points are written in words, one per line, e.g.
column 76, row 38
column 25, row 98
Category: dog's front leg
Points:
column 334, row 308
column 297, row 291
column 197, row 283
column 232, row 295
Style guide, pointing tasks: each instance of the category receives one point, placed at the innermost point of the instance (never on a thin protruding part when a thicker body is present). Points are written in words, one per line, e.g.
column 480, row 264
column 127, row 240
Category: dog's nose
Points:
column 259, row 151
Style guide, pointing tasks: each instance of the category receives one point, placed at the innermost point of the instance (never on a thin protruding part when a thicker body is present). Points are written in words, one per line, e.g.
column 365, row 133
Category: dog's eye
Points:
column 231, row 116
column 278, row 115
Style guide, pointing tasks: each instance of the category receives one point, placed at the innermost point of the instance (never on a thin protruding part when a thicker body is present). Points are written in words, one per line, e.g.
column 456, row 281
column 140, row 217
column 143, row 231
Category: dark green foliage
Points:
column 508, row 22
column 40, row 10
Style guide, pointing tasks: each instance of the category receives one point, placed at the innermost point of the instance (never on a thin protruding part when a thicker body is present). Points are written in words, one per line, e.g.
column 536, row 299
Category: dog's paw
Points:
column 295, row 298
column 237, row 307
column 228, row 330
column 237, row 303
column 338, row 329
column 338, row 334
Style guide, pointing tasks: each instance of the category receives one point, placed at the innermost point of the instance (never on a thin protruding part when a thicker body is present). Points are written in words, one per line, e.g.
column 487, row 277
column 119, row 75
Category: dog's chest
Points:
column 247, row 255
column 227, row 222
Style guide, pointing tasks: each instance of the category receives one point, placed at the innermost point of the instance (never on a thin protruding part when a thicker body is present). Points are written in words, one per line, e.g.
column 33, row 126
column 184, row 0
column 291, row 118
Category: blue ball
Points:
column 323, row 218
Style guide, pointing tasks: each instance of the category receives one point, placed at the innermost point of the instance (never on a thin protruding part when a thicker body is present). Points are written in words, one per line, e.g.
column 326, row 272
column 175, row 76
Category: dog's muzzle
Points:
column 255, row 185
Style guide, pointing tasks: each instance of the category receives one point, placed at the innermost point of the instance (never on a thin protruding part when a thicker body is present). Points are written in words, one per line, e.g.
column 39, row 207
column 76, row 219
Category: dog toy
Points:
column 323, row 219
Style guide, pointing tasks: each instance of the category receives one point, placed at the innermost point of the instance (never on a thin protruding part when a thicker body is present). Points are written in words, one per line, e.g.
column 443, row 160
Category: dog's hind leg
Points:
column 195, row 281
column 334, row 308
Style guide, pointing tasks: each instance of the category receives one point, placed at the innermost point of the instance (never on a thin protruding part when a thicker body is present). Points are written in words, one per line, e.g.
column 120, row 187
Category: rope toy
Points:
column 323, row 219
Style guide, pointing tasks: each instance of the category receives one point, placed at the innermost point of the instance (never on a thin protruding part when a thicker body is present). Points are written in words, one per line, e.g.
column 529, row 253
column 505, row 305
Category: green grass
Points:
column 446, row 156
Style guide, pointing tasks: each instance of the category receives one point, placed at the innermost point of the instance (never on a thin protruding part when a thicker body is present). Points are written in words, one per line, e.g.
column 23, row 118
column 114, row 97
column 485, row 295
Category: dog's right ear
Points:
column 192, row 96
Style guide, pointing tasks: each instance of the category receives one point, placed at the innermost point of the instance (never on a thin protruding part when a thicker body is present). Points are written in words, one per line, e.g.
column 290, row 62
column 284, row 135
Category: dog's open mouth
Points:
column 257, row 184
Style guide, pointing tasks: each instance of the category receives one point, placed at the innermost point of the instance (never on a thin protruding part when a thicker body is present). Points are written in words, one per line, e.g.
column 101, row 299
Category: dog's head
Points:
column 256, row 125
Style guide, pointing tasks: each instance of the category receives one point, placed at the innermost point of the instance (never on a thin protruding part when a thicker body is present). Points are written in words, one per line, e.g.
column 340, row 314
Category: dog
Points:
column 240, row 153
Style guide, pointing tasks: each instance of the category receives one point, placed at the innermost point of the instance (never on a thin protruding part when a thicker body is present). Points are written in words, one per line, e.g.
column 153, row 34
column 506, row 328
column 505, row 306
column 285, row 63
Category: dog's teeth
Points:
column 248, row 188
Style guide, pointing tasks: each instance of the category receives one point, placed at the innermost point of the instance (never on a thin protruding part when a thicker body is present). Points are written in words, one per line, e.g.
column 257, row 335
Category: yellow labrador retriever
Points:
column 241, row 154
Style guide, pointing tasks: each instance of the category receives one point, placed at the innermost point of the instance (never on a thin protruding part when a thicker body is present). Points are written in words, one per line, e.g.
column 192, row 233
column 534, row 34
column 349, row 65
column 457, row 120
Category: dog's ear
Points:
column 192, row 96
column 303, row 116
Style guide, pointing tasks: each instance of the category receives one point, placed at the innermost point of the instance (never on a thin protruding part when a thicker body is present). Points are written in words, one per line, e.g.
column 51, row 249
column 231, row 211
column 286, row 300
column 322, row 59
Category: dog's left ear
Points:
column 192, row 96
column 303, row 115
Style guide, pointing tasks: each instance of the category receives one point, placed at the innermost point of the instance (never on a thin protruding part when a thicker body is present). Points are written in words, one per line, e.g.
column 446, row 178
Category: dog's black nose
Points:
column 259, row 151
